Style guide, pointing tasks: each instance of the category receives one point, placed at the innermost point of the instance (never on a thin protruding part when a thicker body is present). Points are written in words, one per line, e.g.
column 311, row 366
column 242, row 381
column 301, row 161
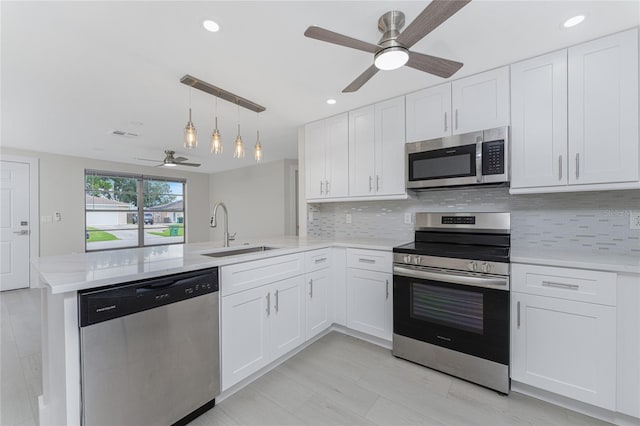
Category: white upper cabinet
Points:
column 473, row 103
column 376, row 149
column 429, row 113
column 481, row 101
column 327, row 153
column 575, row 118
column 539, row 121
column 603, row 110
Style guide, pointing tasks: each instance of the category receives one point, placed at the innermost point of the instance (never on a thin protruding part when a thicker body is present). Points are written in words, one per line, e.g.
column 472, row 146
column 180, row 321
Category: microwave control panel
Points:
column 493, row 158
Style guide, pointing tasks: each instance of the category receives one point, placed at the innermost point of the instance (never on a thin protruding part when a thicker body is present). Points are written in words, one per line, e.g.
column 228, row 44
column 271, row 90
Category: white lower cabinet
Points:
column 561, row 345
column 370, row 302
column 319, row 290
column 259, row 325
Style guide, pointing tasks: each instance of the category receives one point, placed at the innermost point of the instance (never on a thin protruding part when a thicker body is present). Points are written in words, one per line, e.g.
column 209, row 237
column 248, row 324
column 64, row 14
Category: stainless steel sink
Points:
column 225, row 253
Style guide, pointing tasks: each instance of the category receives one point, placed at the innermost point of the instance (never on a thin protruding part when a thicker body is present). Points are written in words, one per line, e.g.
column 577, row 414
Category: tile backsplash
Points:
column 581, row 221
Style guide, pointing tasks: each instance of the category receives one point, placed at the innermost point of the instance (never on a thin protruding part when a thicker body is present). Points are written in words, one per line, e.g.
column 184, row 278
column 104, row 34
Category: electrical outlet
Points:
column 348, row 218
column 634, row 220
column 408, row 218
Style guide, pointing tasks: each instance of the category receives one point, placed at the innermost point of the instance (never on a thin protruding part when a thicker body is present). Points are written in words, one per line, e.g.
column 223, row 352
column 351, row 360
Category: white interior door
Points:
column 14, row 223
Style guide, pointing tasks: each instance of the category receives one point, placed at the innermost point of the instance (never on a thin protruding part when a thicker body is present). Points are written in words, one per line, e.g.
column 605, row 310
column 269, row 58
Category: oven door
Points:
column 460, row 311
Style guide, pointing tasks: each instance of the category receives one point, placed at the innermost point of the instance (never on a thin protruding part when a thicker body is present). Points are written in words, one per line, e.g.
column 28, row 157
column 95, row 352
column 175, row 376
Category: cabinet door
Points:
column 565, row 347
column 337, row 156
column 288, row 316
column 319, row 307
column 603, row 110
column 389, row 147
column 428, row 113
column 539, row 121
column 481, row 101
column 361, row 152
column 314, row 159
column 245, row 335
column 369, row 302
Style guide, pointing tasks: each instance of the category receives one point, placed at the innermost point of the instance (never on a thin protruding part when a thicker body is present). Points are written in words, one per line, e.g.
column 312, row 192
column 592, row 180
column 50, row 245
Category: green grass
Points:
column 165, row 232
column 96, row 235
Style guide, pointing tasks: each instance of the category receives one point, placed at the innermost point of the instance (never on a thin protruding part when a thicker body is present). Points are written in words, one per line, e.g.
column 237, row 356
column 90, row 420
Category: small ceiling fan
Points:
column 171, row 161
column 392, row 50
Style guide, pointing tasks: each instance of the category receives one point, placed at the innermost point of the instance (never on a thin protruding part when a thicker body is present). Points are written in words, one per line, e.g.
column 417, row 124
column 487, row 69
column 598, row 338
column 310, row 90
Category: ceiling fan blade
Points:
column 441, row 67
column 429, row 19
column 188, row 164
column 339, row 39
column 361, row 79
column 179, row 159
column 147, row 159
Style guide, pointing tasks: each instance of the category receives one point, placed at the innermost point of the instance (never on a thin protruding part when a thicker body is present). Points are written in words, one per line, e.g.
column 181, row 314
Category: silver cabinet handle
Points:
column 320, row 260
column 577, row 165
column 377, row 183
column 560, row 167
column 321, row 188
column 560, row 285
column 445, row 121
column 326, row 187
column 456, row 118
column 363, row 260
column 518, row 314
column 22, row 232
column 311, row 289
column 387, row 297
column 370, row 183
column 268, row 304
column 277, row 298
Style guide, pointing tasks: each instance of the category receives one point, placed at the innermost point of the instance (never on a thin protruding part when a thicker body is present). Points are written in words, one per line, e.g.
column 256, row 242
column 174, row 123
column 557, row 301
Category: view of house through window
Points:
column 126, row 210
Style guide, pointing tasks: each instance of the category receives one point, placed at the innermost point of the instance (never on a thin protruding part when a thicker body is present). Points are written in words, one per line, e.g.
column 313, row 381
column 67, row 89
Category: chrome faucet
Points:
column 226, row 221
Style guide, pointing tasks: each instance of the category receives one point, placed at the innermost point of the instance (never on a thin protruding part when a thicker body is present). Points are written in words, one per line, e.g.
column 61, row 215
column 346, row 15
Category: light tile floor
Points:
column 339, row 380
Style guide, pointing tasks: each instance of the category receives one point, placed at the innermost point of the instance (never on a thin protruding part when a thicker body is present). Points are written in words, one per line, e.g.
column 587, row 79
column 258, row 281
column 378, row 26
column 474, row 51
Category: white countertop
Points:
column 594, row 261
column 83, row 271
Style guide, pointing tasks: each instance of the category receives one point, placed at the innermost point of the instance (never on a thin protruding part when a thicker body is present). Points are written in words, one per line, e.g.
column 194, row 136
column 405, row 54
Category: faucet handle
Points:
column 232, row 237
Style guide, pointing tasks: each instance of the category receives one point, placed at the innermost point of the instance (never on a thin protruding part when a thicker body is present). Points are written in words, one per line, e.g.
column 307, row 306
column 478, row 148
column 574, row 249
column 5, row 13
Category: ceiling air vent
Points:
column 124, row 134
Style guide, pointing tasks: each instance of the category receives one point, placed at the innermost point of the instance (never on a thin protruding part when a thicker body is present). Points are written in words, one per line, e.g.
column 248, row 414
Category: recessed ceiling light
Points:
column 573, row 21
column 211, row 26
column 331, row 101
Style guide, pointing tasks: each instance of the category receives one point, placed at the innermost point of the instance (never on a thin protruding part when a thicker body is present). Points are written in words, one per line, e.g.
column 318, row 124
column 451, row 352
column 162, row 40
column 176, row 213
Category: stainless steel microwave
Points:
column 476, row 158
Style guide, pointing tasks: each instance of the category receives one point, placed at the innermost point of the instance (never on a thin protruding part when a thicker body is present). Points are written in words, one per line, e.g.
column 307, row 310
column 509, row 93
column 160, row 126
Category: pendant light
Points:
column 238, row 151
column 190, row 132
column 257, row 150
column 216, row 139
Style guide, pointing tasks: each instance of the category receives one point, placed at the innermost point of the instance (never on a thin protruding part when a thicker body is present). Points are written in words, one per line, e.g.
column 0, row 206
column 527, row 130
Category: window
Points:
column 127, row 210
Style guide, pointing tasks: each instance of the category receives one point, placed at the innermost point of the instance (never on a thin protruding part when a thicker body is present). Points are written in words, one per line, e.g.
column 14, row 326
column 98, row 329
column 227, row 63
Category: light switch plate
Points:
column 634, row 220
column 407, row 218
column 348, row 218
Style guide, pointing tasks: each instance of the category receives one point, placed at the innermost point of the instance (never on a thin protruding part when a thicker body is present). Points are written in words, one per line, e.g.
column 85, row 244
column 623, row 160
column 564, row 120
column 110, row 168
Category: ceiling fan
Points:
column 392, row 50
column 171, row 161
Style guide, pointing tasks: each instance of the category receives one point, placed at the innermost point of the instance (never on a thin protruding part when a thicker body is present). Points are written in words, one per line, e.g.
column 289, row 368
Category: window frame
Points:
column 140, row 208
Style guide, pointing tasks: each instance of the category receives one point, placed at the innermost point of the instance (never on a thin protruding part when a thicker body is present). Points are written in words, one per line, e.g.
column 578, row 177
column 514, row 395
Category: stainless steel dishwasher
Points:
column 150, row 350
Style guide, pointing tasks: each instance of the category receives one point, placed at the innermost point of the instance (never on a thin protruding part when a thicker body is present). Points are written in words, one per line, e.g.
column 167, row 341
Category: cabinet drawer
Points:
column 372, row 260
column 574, row 284
column 317, row 259
column 243, row 276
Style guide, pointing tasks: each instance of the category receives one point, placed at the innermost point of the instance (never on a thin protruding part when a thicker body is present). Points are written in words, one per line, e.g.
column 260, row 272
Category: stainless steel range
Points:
column 451, row 296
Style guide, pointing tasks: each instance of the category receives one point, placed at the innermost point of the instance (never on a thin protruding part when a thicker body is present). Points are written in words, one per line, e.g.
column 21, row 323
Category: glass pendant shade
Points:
column 190, row 134
column 216, row 140
column 257, row 152
column 238, row 151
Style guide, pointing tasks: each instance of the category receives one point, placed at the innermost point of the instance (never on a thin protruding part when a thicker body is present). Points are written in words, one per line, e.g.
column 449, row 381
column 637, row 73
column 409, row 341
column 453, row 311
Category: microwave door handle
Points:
column 501, row 283
column 479, row 161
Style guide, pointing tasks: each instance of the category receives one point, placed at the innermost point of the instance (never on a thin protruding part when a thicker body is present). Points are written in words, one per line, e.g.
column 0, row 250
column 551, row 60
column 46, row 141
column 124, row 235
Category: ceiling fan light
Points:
column 391, row 58
column 190, row 134
column 169, row 164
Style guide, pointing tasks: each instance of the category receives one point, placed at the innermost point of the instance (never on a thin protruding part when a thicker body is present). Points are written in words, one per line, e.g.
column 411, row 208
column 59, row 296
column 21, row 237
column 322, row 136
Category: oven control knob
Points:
column 472, row 266
column 417, row 260
column 486, row 267
column 407, row 259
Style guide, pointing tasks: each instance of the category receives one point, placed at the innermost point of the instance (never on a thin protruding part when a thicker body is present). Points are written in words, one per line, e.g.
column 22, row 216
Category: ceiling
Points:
column 72, row 72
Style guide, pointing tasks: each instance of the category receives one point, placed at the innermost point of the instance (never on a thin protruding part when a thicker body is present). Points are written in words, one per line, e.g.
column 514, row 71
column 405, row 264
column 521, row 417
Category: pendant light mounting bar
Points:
column 220, row 93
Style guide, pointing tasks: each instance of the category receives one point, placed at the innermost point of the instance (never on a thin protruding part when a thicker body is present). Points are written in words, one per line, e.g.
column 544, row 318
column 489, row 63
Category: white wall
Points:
column 257, row 198
column 62, row 190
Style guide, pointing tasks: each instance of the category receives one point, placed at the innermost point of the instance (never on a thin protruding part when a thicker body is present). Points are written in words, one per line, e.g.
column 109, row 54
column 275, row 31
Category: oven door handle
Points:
column 500, row 283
